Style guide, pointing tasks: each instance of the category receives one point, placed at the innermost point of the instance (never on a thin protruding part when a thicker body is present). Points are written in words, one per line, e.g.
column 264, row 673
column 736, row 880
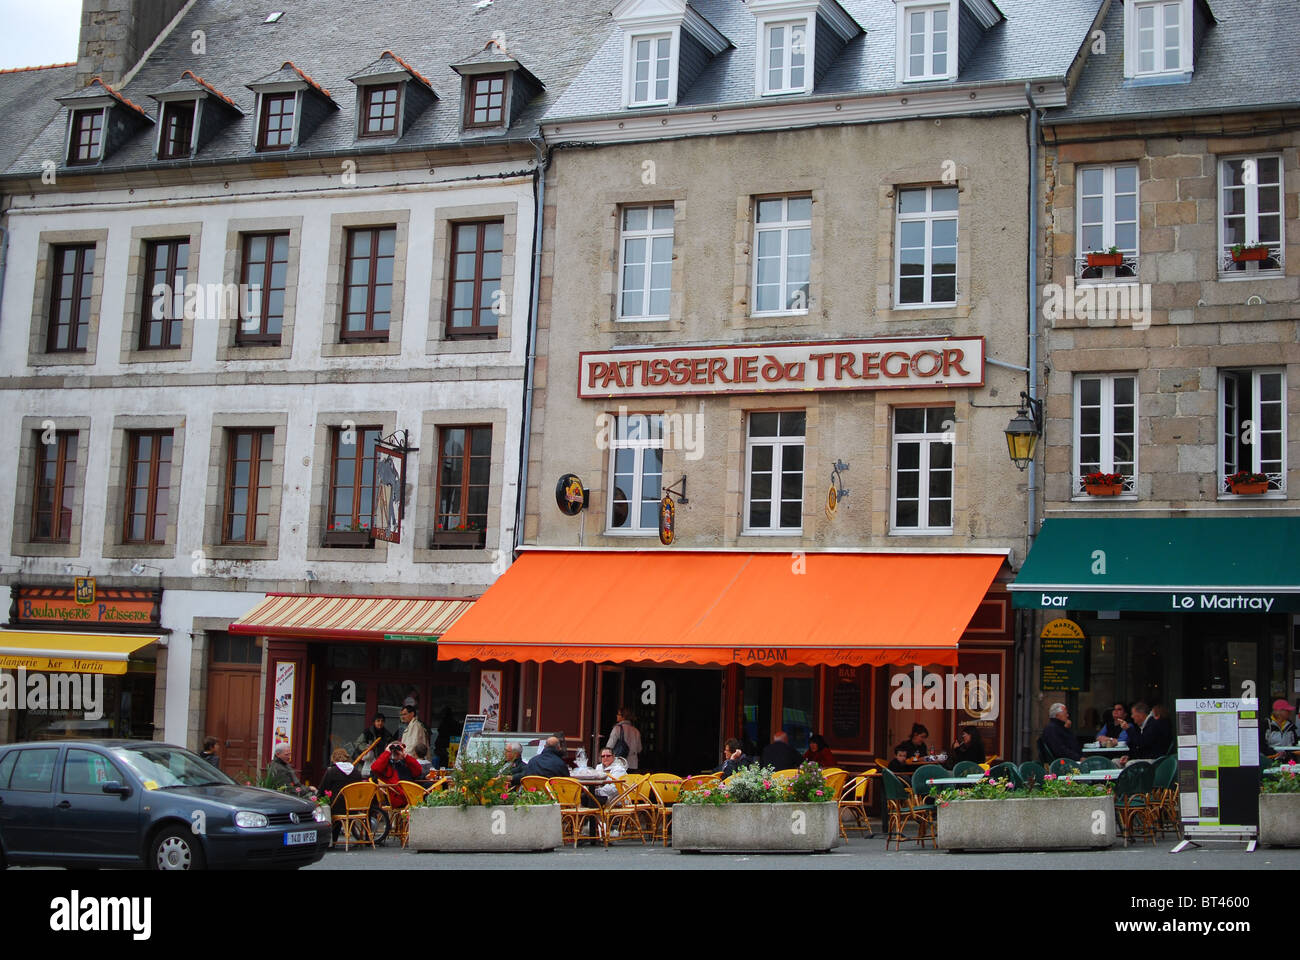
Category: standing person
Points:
column 819, row 751
column 968, row 746
column 378, row 730
column 210, row 752
column 625, row 732
column 413, row 732
column 1280, row 731
column 780, row 754
column 1057, row 736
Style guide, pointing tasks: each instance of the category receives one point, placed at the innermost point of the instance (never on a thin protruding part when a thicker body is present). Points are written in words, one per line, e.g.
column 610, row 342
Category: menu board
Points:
column 1061, row 654
column 1218, row 761
column 846, row 710
column 473, row 725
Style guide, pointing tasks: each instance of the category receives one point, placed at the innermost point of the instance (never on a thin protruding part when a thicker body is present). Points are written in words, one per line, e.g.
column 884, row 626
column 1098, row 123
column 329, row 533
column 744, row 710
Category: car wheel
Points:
column 175, row 848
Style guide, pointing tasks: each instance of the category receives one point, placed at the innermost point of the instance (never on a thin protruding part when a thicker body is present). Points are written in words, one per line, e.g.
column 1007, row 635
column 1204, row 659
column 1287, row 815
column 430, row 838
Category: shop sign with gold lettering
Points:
column 109, row 608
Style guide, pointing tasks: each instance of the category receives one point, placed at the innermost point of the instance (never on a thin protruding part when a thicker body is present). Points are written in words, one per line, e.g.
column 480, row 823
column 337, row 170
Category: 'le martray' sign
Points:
column 783, row 367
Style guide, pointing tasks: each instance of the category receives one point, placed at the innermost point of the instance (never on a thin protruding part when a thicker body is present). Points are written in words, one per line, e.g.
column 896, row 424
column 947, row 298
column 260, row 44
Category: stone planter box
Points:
column 1050, row 823
column 756, row 827
column 1279, row 819
column 485, row 829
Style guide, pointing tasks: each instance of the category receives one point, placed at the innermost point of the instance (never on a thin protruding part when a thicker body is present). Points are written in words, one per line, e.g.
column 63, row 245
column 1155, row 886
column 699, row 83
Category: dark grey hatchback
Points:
column 133, row 803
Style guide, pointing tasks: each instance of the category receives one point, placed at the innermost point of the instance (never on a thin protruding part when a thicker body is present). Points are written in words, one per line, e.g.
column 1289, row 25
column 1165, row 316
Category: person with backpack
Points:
column 625, row 738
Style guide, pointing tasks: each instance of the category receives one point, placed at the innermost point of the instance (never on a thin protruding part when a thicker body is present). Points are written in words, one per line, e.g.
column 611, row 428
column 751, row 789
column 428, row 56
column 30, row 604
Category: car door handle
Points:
column 65, row 805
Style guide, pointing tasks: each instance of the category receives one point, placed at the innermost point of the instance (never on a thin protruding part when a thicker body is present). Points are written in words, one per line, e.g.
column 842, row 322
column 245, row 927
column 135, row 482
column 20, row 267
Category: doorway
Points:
column 775, row 701
column 678, row 714
column 234, row 677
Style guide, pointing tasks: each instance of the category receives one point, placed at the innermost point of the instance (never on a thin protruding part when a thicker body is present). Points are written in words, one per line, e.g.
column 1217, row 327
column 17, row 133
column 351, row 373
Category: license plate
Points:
column 301, row 836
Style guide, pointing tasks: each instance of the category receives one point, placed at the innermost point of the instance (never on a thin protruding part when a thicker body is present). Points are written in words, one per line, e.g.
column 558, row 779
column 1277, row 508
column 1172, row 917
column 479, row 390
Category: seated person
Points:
column 915, row 744
column 393, row 766
column 1280, row 731
column 283, row 776
column 422, row 758
column 338, row 775
column 549, row 762
column 779, row 754
column 899, row 764
column 819, row 751
column 1113, row 732
column 733, row 758
column 968, row 746
column 1149, row 738
column 1058, row 739
column 612, row 767
column 514, row 755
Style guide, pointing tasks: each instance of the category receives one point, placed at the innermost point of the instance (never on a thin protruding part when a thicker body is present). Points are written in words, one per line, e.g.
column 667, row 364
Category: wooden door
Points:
column 234, row 677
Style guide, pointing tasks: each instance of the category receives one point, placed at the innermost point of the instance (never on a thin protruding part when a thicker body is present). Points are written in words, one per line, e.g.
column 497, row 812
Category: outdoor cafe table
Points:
column 1094, row 748
column 967, row 781
column 1092, row 776
column 1278, row 771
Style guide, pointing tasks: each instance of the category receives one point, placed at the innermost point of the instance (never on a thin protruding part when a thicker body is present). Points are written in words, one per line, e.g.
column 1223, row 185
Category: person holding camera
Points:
column 393, row 766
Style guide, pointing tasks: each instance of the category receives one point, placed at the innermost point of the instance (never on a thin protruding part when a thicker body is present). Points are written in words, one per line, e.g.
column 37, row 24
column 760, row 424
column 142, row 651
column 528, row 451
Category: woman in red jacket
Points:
column 391, row 767
column 819, row 751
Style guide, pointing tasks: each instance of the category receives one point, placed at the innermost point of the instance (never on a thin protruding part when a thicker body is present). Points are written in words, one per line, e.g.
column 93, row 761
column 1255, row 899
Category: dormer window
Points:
column 87, row 136
column 177, row 130
column 926, row 38
column 486, row 104
column 651, row 72
column 379, row 115
column 785, row 53
column 1159, row 37
column 275, row 128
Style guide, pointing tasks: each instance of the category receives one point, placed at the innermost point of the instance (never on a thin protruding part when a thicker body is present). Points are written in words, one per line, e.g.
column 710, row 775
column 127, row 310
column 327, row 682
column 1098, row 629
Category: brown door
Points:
column 234, row 675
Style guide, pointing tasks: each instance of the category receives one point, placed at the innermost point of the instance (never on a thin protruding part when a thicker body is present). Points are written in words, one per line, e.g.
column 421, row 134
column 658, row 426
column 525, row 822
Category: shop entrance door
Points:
column 1128, row 661
column 777, row 702
column 234, row 676
column 679, row 716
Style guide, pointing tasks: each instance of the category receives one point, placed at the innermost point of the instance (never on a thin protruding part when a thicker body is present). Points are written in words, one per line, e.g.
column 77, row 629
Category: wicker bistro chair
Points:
column 665, row 788
column 902, row 809
column 357, row 798
column 835, row 778
column 647, row 807
column 622, row 814
column 1131, row 804
column 1164, row 797
column 569, row 793
column 535, row 783
column 414, row 794
column 853, row 801
column 701, row 781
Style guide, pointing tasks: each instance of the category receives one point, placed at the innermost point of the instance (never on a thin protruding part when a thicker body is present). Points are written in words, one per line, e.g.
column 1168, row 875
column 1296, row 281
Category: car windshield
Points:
column 161, row 767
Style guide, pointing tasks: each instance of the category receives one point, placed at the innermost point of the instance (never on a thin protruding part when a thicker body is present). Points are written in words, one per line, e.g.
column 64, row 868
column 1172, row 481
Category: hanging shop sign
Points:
column 387, row 504
column 570, row 495
column 837, row 491
column 667, row 521
column 783, row 367
column 1061, row 654
column 107, row 608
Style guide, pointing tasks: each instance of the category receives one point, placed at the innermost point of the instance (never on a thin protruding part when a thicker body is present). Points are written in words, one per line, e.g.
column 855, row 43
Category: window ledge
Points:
column 791, row 532
column 1272, row 495
column 1118, row 498
column 923, row 532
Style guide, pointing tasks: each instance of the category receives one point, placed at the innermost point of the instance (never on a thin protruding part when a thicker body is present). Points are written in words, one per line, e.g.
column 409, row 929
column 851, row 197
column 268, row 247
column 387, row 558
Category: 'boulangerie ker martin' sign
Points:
column 783, row 367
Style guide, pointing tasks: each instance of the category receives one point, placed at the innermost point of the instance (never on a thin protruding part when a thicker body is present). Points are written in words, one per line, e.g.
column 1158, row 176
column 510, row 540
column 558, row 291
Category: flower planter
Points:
column 1279, row 819
column 1049, row 823
column 1247, row 256
column 465, row 539
column 347, row 538
column 1105, row 259
column 1103, row 489
column 1247, row 489
column 755, row 827
column 485, row 829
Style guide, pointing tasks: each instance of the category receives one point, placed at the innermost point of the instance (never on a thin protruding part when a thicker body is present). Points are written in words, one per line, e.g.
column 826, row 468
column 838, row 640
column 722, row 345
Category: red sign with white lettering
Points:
column 783, row 367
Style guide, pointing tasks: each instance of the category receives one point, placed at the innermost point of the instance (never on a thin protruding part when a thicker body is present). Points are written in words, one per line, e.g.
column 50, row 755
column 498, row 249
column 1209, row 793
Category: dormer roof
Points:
column 97, row 93
column 639, row 16
column 192, row 83
column 289, row 75
column 387, row 68
column 493, row 59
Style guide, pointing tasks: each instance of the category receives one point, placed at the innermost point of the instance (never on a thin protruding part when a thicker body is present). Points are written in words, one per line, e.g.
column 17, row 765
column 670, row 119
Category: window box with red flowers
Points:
column 1245, row 483
column 351, row 537
column 465, row 535
column 1103, row 484
column 1106, row 258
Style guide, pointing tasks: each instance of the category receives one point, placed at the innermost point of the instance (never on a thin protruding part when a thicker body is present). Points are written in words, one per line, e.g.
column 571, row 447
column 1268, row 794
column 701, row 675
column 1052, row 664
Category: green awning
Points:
column 1204, row 564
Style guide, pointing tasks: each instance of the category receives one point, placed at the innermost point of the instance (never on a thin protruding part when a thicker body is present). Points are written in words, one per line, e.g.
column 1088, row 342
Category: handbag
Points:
column 621, row 748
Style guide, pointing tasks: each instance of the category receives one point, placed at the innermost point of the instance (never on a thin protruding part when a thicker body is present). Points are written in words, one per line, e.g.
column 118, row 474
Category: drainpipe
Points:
column 539, row 190
column 1024, row 657
column 4, row 260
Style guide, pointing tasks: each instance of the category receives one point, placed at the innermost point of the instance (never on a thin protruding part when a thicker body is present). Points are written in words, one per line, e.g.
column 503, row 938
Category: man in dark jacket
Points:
column 548, row 763
column 283, row 776
column 1057, row 736
column 1149, row 737
column 733, row 758
column 514, row 754
column 378, row 731
column 780, row 754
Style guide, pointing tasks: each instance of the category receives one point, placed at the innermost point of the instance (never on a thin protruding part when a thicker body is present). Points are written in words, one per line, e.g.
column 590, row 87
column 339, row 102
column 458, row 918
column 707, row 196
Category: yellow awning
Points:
column 70, row 652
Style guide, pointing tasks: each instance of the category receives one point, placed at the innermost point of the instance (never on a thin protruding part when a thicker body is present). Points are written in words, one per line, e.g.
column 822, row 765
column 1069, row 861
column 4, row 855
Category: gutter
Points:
column 1024, row 652
column 539, row 190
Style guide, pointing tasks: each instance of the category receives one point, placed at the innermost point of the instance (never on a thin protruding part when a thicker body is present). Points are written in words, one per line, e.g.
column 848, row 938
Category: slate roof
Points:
column 1030, row 44
column 329, row 42
column 1248, row 59
column 190, row 82
column 27, row 105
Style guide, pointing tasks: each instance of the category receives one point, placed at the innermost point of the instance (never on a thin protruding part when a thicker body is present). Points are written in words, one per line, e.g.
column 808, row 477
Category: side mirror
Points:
column 116, row 786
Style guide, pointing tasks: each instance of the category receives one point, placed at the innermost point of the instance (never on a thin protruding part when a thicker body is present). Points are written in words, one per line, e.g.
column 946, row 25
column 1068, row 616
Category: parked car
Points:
column 134, row 803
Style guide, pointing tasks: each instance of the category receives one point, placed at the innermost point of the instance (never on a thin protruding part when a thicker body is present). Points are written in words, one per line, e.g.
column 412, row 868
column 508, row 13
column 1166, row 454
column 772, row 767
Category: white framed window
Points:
column 925, row 272
column 1105, row 427
column 1251, row 224
column 650, row 69
column 645, row 268
column 636, row 470
column 784, row 62
column 782, row 254
column 927, row 41
column 1252, row 434
column 1157, row 37
column 1108, row 218
column 923, row 469
column 774, row 470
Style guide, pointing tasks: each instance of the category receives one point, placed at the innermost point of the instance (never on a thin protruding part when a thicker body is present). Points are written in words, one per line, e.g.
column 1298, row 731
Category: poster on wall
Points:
column 282, row 706
column 489, row 698
column 1218, row 767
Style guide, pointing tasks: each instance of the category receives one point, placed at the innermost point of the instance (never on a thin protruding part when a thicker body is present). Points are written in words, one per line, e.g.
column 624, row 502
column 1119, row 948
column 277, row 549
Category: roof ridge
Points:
column 118, row 95
column 44, row 66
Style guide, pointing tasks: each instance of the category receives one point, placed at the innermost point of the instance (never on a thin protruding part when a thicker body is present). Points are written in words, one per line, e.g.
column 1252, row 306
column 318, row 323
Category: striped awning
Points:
column 397, row 619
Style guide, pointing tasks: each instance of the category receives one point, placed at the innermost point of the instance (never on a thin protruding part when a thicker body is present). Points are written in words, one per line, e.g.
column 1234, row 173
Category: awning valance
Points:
column 70, row 652
column 718, row 608
column 400, row 619
column 1196, row 564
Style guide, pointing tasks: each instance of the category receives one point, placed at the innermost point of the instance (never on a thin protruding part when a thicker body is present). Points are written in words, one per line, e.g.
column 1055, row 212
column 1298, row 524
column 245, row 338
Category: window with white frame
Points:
column 785, row 57
column 782, row 254
column 650, row 70
column 926, row 35
column 1250, row 217
column 636, row 468
column 926, row 247
column 774, row 468
column 1158, row 35
column 1253, row 424
column 923, row 469
column 1105, row 427
column 646, row 262
column 1108, row 220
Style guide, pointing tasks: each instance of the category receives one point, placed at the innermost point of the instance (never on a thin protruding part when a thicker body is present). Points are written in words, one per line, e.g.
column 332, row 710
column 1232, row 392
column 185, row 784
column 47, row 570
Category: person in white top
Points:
column 625, row 731
column 612, row 767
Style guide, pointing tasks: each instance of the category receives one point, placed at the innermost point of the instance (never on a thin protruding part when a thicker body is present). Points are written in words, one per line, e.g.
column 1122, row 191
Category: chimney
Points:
column 116, row 33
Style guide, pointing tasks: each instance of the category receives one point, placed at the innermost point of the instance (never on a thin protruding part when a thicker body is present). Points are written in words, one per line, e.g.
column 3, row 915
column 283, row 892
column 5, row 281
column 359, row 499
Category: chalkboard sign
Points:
column 473, row 724
column 846, row 710
column 1061, row 656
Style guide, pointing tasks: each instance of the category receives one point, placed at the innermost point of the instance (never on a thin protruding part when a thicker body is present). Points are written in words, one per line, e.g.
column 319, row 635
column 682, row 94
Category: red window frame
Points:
column 275, row 254
column 478, row 309
column 256, row 487
column 363, row 464
column 372, row 261
column 453, row 521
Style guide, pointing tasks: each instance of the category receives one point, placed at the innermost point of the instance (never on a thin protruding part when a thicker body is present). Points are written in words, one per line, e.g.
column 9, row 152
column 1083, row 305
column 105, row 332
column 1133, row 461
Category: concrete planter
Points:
column 1279, row 819
column 485, row 829
column 1049, row 823
column 756, row 827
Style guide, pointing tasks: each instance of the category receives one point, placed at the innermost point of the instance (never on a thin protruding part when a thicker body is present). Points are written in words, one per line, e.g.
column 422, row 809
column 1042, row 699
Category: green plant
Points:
column 1239, row 248
column 1245, row 476
column 1003, row 789
column 254, row 778
column 810, row 785
column 1112, row 250
column 1288, row 782
column 532, row 797
column 1103, row 479
column 477, row 781
column 714, row 796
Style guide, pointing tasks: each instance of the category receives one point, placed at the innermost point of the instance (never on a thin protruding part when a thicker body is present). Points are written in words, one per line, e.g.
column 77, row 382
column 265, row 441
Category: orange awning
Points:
column 351, row 618
column 718, row 608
